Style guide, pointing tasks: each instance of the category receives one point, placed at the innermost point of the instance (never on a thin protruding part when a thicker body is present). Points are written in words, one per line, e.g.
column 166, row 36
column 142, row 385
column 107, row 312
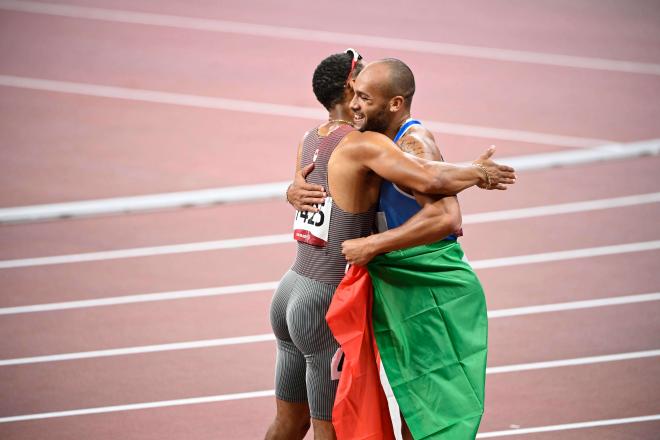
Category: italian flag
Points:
column 421, row 312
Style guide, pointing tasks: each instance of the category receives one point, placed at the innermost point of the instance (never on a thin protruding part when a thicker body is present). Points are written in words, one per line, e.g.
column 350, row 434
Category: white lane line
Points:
column 573, row 362
column 145, row 297
column 257, row 287
column 149, row 202
column 267, row 393
column 233, row 243
column 608, row 152
column 566, row 255
column 138, row 406
column 204, row 343
column 269, row 31
column 485, row 217
column 275, row 190
column 276, row 109
column 574, row 305
column 562, row 208
column 568, row 426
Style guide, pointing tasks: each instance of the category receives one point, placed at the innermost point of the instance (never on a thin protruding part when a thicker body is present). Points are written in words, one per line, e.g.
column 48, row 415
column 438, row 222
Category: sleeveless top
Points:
column 327, row 264
column 396, row 206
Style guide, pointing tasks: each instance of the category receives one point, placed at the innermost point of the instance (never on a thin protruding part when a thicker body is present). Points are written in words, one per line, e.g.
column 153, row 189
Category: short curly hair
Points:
column 330, row 77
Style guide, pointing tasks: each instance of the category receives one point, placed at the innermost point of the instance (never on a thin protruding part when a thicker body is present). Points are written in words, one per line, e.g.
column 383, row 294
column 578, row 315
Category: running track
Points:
column 175, row 343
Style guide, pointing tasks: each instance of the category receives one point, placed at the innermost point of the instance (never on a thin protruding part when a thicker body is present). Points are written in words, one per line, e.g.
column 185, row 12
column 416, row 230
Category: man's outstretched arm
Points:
column 377, row 153
column 430, row 177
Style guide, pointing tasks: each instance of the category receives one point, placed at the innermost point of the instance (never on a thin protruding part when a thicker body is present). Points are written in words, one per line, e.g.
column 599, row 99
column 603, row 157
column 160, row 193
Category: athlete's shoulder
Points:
column 364, row 140
column 420, row 142
column 419, row 131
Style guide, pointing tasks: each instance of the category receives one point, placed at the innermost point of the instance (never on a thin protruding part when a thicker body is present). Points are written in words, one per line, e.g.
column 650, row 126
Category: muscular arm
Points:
column 377, row 153
column 439, row 216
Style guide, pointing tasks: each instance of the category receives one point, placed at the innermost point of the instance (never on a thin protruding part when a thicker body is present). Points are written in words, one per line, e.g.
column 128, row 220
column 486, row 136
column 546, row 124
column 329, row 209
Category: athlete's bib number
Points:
column 313, row 227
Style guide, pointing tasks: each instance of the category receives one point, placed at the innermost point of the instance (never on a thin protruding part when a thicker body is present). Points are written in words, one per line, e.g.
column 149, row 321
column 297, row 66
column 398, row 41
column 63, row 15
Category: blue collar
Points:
column 405, row 127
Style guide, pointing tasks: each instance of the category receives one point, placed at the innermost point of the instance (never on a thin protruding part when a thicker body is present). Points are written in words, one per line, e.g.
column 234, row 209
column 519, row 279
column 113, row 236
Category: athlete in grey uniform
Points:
column 349, row 163
column 305, row 344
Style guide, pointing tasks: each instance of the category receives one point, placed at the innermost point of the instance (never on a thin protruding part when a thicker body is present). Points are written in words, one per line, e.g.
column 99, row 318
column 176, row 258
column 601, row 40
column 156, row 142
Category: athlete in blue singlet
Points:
column 405, row 218
column 396, row 206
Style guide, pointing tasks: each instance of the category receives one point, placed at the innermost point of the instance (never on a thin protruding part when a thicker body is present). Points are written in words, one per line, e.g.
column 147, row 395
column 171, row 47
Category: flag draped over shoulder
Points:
column 431, row 327
column 360, row 410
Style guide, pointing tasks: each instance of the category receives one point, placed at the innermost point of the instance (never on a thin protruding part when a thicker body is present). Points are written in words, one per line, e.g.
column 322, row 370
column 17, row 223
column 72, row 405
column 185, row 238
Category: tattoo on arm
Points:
column 417, row 147
column 411, row 145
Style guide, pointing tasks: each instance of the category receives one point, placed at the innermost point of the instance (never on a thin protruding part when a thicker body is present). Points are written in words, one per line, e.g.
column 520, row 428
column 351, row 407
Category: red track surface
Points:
column 58, row 147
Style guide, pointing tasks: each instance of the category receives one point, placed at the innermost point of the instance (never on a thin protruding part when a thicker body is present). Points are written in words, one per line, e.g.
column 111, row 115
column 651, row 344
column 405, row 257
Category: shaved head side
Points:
column 401, row 81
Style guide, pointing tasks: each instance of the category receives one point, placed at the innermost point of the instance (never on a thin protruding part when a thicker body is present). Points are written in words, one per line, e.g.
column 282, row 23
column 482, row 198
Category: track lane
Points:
column 576, row 28
column 44, row 387
column 245, row 314
column 532, row 398
column 97, row 279
column 567, row 395
column 195, row 320
column 144, row 275
column 563, row 281
column 171, row 227
column 239, row 220
column 558, row 232
column 464, row 85
column 79, row 148
column 630, row 431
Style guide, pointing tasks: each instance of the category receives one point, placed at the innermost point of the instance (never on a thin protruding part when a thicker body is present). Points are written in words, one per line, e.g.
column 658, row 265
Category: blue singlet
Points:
column 395, row 205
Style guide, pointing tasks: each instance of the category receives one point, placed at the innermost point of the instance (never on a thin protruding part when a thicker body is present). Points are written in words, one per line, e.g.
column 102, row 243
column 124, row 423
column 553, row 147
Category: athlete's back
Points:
column 308, row 354
column 321, row 234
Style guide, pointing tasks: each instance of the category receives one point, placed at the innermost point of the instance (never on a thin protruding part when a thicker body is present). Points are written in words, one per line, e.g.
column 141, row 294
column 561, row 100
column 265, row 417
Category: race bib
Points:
column 312, row 227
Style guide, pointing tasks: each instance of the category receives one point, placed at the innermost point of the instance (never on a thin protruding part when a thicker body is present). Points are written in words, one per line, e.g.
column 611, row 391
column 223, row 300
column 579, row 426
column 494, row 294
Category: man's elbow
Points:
column 440, row 226
column 455, row 223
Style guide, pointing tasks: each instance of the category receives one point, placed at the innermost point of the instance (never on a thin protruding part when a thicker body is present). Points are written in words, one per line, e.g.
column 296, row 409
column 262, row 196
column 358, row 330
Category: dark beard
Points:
column 378, row 122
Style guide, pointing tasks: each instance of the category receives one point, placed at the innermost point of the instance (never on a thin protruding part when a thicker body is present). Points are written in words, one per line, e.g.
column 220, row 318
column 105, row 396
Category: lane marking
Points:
column 144, row 297
column 275, row 190
column 203, row 246
column 138, row 406
column 264, row 240
column 205, row 343
column 566, row 255
column 257, row 287
column 313, row 35
column 219, row 342
column 568, row 426
column 562, row 208
column 238, row 105
column 270, row 393
column 574, row 305
column 573, row 362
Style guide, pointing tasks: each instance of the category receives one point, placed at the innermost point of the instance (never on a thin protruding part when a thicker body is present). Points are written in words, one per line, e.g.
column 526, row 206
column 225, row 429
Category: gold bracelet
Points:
column 483, row 168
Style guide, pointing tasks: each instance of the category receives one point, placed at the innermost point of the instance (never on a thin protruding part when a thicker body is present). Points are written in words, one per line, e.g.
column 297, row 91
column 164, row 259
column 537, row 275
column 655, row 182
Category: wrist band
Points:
column 483, row 168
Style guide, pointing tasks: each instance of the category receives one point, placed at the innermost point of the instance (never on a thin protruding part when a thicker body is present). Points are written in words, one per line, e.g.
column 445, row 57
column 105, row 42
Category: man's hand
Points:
column 497, row 176
column 358, row 251
column 302, row 195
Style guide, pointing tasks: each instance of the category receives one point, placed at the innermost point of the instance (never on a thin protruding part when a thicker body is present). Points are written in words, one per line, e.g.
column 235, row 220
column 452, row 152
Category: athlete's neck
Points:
column 396, row 124
column 340, row 113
